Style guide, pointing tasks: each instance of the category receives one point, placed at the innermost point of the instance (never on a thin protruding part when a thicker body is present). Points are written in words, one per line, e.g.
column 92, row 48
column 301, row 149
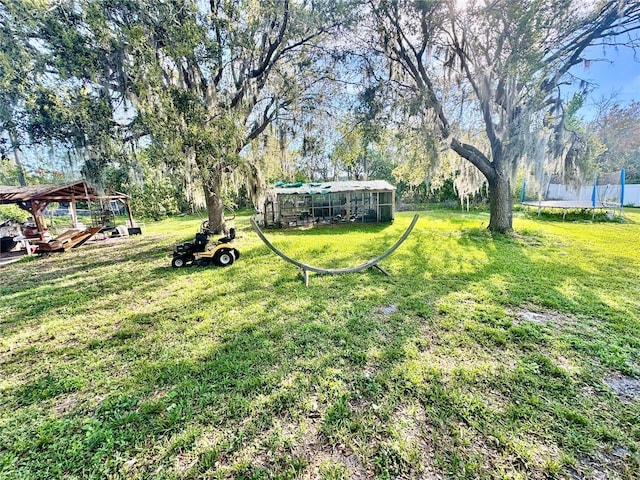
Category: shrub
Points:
column 13, row 212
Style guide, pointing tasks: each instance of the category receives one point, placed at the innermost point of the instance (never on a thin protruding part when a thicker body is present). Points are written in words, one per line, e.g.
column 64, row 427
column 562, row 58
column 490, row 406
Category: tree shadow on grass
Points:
column 254, row 373
column 87, row 277
column 541, row 383
column 250, row 378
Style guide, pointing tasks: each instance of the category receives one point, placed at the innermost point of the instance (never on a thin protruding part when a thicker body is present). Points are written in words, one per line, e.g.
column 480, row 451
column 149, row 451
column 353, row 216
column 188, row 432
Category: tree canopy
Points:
column 197, row 81
column 500, row 64
column 227, row 91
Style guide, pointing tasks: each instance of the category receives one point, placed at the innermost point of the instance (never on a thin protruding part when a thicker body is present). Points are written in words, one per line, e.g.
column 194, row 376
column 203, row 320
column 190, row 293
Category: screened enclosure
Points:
column 330, row 202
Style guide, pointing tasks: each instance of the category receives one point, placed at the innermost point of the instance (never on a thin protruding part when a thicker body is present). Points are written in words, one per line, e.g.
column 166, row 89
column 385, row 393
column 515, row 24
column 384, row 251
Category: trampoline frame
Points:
column 592, row 205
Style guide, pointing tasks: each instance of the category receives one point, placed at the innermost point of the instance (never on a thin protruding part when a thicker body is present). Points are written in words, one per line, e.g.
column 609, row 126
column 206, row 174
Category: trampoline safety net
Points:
column 606, row 190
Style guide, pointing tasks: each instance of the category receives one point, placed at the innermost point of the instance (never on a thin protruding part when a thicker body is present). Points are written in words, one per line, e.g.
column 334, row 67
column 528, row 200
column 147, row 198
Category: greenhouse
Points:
column 298, row 204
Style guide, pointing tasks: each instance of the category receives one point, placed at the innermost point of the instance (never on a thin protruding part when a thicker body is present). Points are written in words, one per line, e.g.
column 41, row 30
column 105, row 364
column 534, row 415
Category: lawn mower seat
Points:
column 200, row 242
column 231, row 236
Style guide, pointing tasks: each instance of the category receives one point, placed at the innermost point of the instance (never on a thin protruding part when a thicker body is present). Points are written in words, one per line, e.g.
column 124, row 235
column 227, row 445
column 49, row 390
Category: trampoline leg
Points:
column 305, row 272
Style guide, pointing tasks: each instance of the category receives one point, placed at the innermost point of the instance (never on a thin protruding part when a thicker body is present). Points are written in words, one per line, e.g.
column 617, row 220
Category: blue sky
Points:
column 614, row 71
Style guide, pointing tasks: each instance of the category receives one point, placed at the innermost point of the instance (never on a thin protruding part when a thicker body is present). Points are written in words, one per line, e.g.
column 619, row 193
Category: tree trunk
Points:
column 501, row 216
column 16, row 158
column 215, row 207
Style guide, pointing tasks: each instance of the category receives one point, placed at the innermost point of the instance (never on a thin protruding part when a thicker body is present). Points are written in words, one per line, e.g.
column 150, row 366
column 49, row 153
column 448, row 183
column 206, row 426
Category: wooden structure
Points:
column 35, row 199
column 297, row 204
column 69, row 239
column 306, row 268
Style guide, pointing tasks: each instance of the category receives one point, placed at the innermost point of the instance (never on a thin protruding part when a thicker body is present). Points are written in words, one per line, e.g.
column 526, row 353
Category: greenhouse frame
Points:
column 299, row 204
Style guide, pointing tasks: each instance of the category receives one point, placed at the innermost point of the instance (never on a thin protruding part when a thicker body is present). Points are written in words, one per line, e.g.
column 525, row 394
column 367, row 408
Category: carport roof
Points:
column 78, row 190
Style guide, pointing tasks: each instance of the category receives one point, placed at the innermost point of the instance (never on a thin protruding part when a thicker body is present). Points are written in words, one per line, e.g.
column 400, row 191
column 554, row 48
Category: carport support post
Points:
column 73, row 212
column 126, row 203
column 36, row 212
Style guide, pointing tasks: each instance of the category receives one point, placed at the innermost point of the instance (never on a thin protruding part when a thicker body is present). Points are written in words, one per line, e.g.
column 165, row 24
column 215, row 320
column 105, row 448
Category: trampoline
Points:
column 606, row 193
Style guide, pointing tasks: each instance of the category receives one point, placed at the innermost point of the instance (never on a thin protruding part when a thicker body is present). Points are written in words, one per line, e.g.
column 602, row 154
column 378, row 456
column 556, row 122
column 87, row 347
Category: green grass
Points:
column 114, row 365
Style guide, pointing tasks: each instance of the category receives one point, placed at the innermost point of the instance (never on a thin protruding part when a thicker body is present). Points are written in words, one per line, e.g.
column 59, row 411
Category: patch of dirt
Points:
column 495, row 401
column 606, row 464
column 534, row 314
column 587, row 471
column 5, row 355
column 533, row 317
column 185, row 462
column 388, row 310
column 317, row 452
column 412, row 422
column 542, row 317
column 567, row 365
column 626, row 388
column 66, row 404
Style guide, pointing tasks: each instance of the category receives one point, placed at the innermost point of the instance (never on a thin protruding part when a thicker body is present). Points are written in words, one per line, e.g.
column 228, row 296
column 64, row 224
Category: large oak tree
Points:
column 216, row 75
column 196, row 81
column 499, row 61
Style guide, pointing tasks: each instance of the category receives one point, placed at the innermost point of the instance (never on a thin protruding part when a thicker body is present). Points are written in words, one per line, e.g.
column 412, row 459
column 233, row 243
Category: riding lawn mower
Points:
column 221, row 253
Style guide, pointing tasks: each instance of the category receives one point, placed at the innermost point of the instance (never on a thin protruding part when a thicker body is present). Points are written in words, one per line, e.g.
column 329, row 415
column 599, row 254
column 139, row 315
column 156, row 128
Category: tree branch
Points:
column 475, row 156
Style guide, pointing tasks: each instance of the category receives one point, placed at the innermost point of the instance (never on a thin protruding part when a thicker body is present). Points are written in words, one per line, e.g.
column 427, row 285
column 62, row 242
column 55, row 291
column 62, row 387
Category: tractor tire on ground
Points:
column 178, row 262
column 223, row 258
column 236, row 253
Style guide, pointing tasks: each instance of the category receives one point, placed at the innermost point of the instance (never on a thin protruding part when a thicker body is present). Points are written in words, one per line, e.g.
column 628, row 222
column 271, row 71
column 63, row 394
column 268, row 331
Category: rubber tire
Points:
column 236, row 253
column 223, row 258
column 178, row 262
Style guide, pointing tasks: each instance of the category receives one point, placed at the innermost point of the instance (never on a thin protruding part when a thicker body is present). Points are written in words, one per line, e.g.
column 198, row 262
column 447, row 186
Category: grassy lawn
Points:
column 481, row 357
